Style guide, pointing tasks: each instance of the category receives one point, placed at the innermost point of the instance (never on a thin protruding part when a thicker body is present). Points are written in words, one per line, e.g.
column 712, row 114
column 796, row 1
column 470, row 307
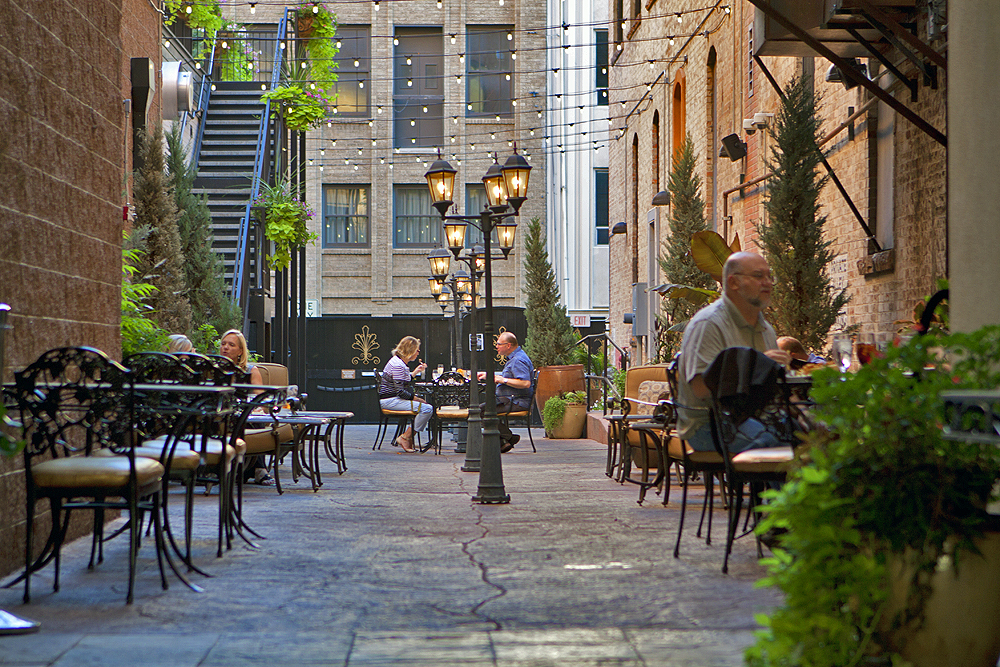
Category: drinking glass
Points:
column 842, row 350
column 438, row 372
column 865, row 348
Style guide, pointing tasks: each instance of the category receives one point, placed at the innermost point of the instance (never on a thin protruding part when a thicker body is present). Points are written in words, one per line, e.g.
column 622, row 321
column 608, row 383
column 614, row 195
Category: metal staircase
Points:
column 226, row 162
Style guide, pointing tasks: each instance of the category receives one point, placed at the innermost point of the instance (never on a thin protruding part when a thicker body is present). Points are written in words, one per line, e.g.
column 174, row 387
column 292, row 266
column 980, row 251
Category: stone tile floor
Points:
column 391, row 564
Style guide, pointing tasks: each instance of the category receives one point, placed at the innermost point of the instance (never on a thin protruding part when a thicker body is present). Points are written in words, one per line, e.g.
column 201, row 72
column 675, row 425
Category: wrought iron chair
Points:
column 451, row 404
column 745, row 385
column 524, row 415
column 75, row 402
column 708, row 464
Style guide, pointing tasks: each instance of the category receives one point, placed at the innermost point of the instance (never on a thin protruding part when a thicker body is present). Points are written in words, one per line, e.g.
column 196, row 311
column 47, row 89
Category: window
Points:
column 475, row 200
column 345, row 216
column 416, row 222
column 488, row 76
column 418, row 95
column 619, row 23
column 601, row 215
column 353, row 71
column 601, row 66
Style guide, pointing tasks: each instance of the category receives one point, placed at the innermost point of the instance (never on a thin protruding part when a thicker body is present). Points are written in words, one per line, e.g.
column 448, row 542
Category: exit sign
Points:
column 581, row 321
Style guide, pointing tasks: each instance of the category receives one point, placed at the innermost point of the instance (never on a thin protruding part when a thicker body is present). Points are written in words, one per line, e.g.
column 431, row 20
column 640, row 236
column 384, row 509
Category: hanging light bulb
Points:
column 361, row 84
column 315, row 9
column 439, row 3
column 408, row 60
column 376, row 5
column 338, row 44
column 510, row 36
column 357, row 63
column 680, row 19
column 380, row 109
column 395, row 41
column 253, row 7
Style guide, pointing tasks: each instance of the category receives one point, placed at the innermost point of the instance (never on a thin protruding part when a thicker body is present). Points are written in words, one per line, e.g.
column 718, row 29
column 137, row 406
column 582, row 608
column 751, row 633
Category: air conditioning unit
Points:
column 178, row 90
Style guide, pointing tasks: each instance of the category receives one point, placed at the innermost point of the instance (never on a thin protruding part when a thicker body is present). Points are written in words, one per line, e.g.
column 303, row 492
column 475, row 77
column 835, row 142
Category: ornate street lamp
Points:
column 506, row 185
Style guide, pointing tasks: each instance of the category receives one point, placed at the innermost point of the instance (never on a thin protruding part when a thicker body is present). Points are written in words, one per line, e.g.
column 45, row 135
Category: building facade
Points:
column 466, row 78
column 711, row 71
column 576, row 142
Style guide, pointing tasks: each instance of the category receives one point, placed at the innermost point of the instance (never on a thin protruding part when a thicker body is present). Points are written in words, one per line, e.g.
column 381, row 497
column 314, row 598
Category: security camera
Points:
column 762, row 120
column 748, row 126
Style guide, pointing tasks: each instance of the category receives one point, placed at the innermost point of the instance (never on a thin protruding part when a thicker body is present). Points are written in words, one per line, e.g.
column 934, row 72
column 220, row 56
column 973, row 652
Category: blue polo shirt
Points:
column 518, row 367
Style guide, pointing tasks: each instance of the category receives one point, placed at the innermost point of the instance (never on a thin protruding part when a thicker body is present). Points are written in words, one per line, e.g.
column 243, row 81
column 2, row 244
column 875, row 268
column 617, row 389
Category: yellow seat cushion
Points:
column 213, row 449
column 182, row 459
column 452, row 412
column 110, row 472
column 261, row 440
column 765, row 459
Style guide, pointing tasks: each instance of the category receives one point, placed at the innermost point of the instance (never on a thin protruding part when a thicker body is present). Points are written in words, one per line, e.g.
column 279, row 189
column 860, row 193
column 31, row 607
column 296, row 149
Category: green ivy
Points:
column 286, row 220
column 877, row 479
column 301, row 110
column 204, row 15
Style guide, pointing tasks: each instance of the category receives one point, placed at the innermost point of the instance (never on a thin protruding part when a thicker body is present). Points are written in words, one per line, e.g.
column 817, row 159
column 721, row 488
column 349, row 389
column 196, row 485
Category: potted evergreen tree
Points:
column 550, row 340
column 687, row 218
column 807, row 304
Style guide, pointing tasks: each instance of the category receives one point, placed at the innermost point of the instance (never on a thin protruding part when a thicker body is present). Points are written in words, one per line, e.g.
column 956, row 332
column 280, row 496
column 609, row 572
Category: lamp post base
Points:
column 473, row 443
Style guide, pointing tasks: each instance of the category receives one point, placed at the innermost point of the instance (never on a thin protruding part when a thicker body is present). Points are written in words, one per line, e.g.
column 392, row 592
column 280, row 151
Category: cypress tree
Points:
column 687, row 217
column 550, row 337
column 162, row 263
column 203, row 269
column 804, row 303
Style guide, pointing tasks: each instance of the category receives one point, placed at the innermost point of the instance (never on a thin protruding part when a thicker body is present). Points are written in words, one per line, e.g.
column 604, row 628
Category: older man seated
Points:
column 735, row 320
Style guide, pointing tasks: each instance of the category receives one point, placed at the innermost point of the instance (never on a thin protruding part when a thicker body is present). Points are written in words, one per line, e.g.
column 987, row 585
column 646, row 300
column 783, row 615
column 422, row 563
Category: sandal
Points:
column 404, row 444
column 261, row 478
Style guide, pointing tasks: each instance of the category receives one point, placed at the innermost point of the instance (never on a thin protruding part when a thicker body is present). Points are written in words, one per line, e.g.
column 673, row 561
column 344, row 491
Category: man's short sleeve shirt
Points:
column 714, row 328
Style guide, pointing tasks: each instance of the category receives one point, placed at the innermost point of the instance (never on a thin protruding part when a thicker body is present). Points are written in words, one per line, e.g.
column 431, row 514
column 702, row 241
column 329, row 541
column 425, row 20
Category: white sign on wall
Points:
column 312, row 308
column 580, row 321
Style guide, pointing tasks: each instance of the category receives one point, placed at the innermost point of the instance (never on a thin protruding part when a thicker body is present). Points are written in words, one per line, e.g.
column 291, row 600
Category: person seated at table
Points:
column 179, row 344
column 735, row 320
column 233, row 346
column 798, row 353
column 396, row 393
column 513, row 385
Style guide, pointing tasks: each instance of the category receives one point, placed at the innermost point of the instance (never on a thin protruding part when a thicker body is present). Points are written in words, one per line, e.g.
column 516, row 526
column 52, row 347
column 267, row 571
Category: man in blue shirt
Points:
column 513, row 385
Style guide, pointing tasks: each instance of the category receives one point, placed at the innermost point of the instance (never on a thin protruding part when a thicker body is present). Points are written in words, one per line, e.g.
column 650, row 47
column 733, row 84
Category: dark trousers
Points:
column 504, row 405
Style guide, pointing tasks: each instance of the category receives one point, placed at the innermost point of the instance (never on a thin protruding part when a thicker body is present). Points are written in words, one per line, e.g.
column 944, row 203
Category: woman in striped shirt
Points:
column 396, row 379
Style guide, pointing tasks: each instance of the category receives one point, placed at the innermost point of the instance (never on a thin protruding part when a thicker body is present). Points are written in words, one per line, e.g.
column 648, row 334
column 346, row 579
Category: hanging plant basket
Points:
column 304, row 26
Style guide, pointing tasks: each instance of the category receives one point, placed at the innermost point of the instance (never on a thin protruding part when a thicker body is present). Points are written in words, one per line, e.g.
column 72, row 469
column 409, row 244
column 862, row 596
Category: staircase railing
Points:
column 204, row 94
column 261, row 167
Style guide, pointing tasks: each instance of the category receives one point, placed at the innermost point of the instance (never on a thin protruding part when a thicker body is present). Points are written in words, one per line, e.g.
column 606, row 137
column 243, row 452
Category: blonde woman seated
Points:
column 233, row 346
column 396, row 393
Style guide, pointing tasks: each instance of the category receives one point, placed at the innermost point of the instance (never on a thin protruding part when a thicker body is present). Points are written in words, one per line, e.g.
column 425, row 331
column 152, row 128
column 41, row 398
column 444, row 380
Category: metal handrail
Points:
column 240, row 267
column 604, row 379
column 203, row 98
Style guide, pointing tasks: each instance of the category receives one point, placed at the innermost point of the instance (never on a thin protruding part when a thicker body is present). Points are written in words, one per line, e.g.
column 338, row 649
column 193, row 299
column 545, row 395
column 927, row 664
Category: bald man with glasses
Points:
column 735, row 320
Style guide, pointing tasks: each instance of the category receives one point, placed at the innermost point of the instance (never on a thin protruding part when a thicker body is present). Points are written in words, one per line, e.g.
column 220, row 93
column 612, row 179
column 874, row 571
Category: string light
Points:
column 376, row 5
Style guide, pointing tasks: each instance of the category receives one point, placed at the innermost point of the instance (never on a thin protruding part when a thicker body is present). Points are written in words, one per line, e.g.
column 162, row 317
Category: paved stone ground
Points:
column 391, row 564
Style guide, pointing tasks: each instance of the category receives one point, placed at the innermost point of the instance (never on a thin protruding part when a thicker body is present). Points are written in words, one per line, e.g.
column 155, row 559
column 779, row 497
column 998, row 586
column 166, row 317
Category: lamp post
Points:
column 506, row 191
column 466, row 288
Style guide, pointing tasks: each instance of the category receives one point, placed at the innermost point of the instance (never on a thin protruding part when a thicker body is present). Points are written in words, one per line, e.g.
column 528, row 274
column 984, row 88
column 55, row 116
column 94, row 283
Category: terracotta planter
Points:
column 962, row 626
column 573, row 423
column 553, row 380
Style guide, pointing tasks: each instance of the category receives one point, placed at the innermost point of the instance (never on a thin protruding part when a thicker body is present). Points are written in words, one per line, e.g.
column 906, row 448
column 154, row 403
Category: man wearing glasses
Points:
column 513, row 385
column 735, row 320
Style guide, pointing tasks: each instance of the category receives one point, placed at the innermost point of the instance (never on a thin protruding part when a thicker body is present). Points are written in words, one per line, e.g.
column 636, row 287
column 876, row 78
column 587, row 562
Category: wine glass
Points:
column 865, row 348
column 842, row 350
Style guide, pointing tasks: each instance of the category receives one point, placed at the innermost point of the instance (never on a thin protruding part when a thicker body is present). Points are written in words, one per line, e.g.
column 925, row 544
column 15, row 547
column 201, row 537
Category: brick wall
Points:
column 64, row 70
column 919, row 222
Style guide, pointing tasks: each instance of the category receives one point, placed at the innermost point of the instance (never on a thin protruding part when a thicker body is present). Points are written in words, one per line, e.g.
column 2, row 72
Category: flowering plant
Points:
column 235, row 57
column 286, row 219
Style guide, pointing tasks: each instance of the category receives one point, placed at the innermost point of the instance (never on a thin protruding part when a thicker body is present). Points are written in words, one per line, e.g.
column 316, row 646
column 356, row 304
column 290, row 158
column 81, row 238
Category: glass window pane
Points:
column 601, row 67
column 416, row 222
column 345, row 216
column 601, row 215
column 353, row 71
column 489, row 71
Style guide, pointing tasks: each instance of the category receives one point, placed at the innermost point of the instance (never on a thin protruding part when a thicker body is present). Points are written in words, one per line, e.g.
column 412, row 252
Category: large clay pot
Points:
column 573, row 423
column 304, row 25
column 553, row 380
column 962, row 624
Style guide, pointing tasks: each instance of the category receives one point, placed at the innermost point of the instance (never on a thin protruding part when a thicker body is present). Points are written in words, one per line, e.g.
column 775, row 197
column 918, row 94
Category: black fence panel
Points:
column 343, row 351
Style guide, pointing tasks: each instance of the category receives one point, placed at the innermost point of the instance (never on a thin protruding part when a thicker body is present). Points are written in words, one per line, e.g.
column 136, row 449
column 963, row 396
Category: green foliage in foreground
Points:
column 878, row 479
